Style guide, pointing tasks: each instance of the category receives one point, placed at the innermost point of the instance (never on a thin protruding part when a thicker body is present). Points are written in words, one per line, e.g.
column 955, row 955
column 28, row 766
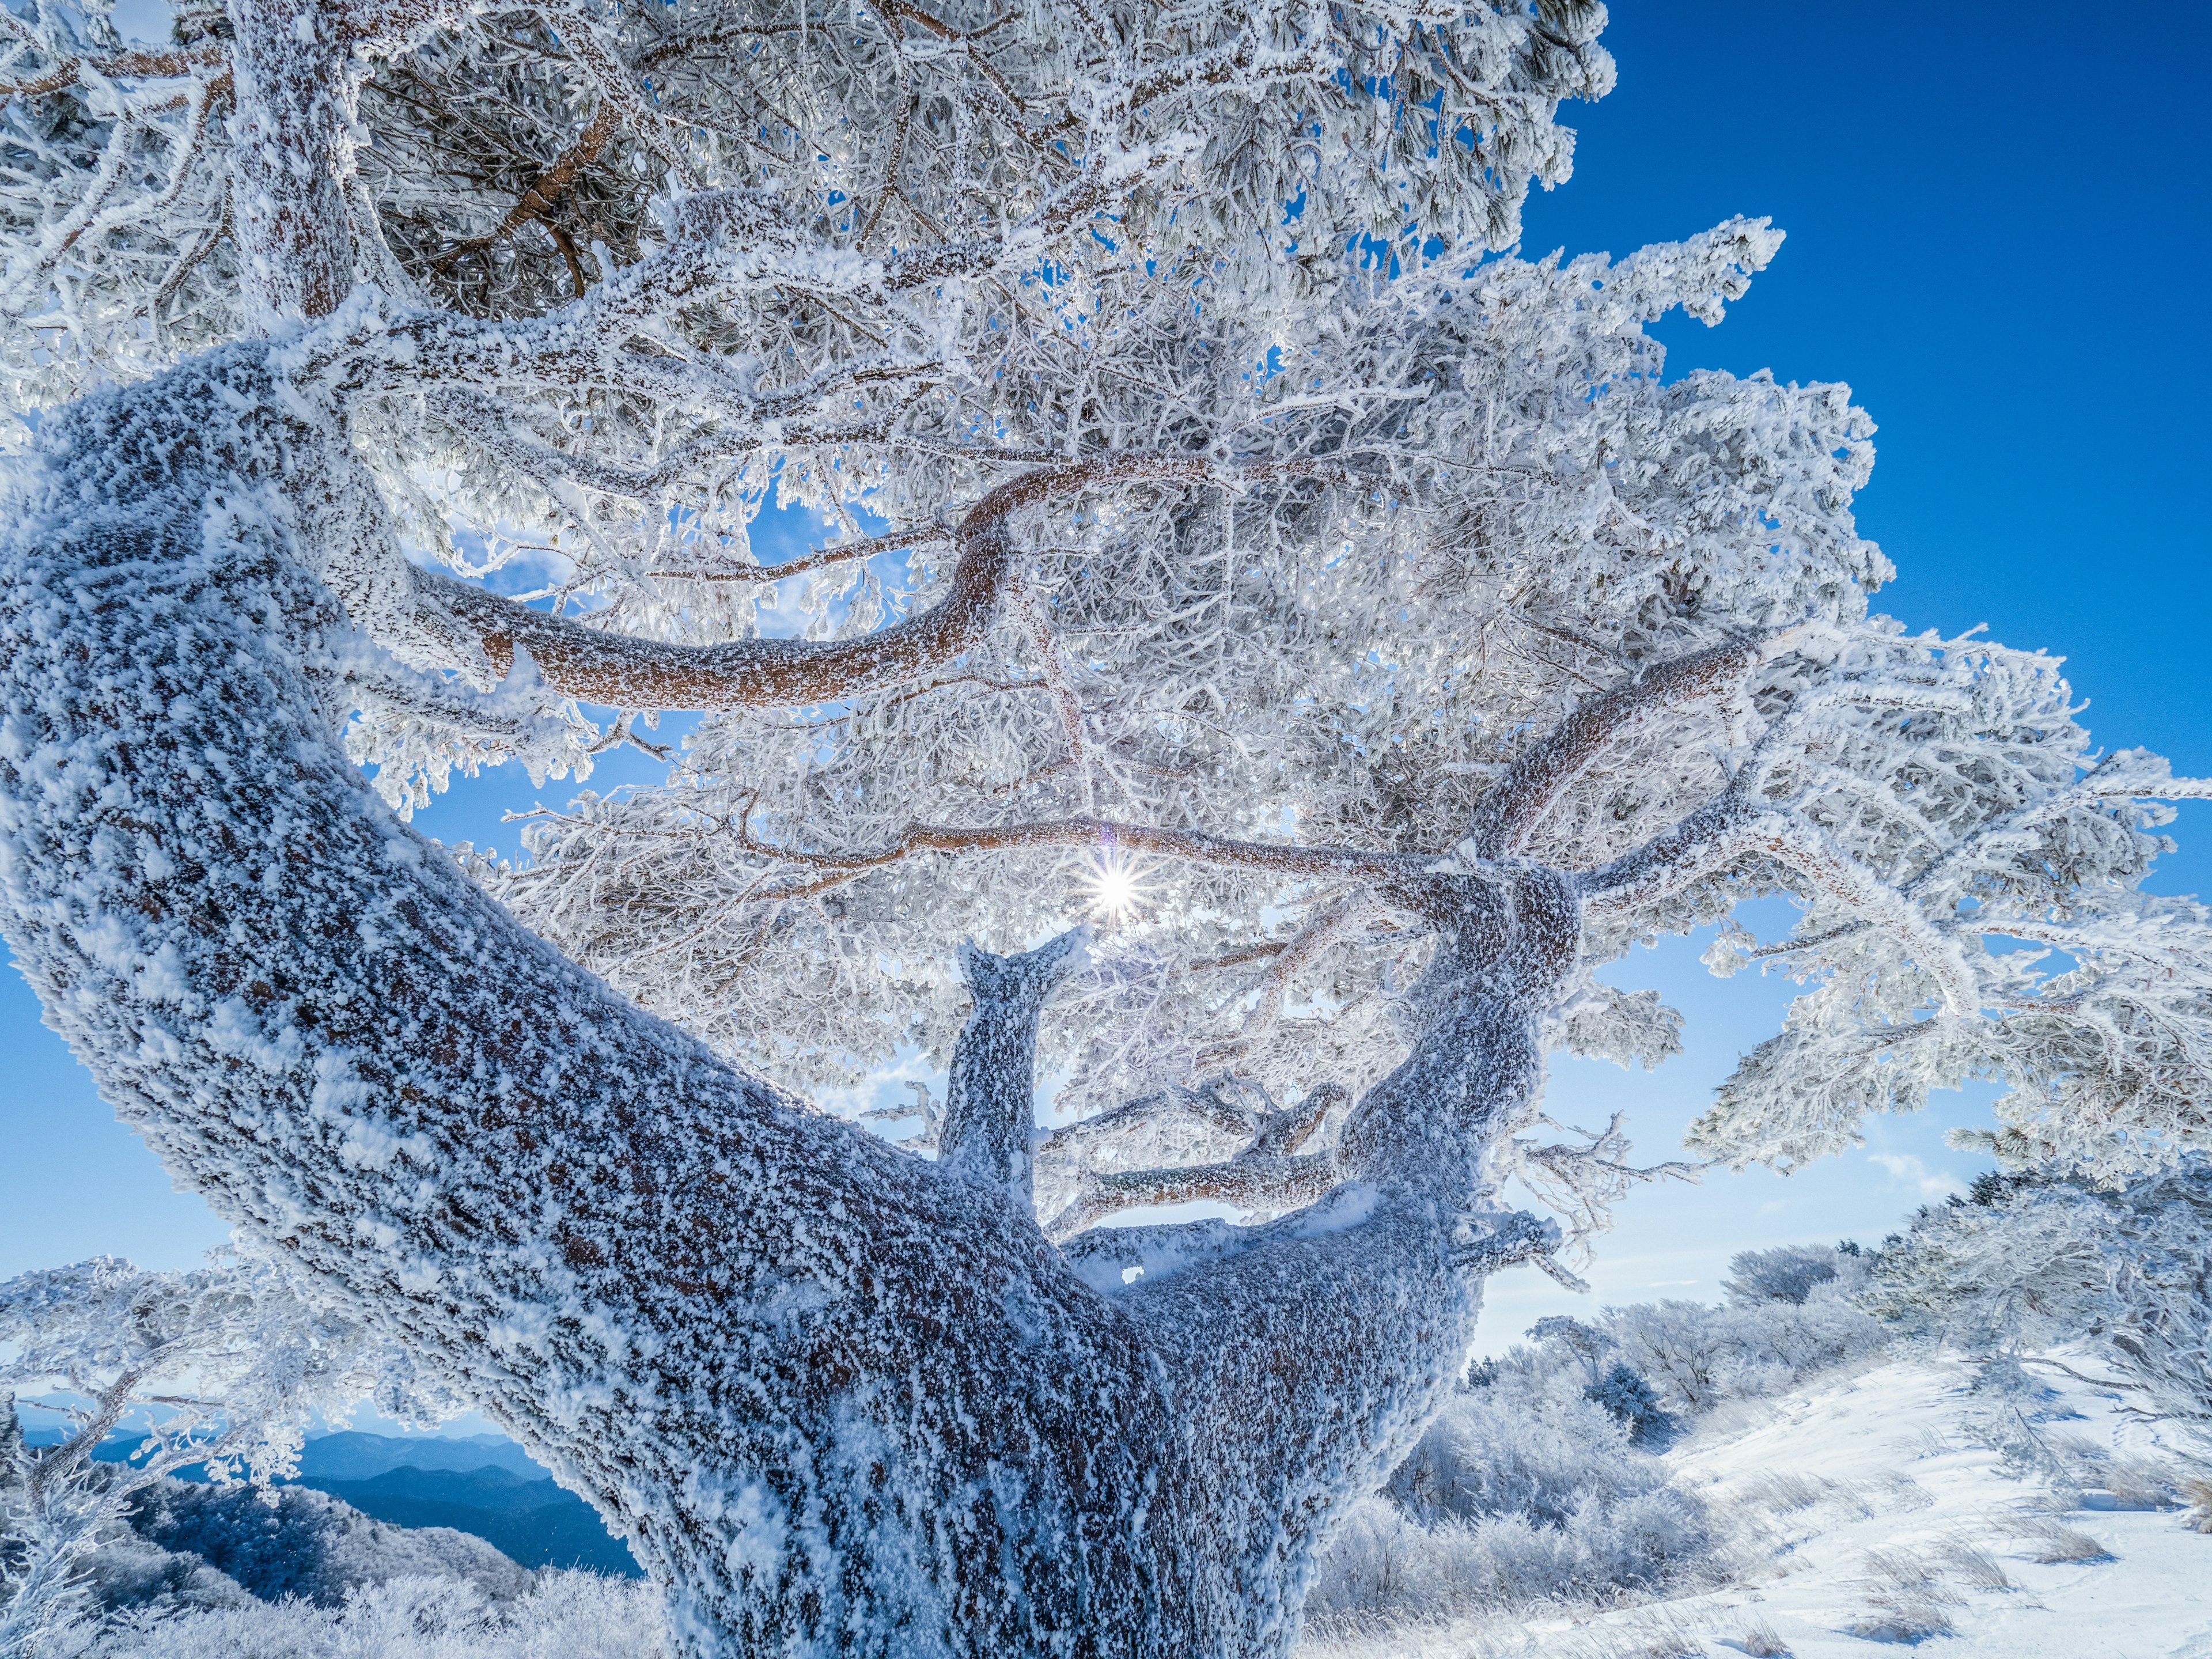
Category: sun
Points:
column 1117, row 891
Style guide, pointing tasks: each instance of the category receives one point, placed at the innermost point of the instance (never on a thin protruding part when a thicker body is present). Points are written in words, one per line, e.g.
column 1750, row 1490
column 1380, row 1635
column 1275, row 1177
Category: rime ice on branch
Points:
column 1407, row 646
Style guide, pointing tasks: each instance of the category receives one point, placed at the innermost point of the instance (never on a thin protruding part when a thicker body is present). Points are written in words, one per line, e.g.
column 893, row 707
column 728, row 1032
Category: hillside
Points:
column 1896, row 1504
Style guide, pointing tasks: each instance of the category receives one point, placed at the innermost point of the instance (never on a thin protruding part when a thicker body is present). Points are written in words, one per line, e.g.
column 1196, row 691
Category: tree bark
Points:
column 991, row 1086
column 841, row 1400
column 292, row 157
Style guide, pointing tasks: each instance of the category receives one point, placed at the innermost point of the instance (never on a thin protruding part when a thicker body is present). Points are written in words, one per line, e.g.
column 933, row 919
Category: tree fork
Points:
column 835, row 1395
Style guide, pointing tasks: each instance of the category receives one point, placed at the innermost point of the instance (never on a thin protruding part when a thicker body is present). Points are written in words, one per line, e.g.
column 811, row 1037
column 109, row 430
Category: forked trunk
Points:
column 840, row 1398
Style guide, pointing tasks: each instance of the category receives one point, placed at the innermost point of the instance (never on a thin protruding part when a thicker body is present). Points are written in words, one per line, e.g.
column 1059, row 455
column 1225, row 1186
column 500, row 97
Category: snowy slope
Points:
column 1844, row 1494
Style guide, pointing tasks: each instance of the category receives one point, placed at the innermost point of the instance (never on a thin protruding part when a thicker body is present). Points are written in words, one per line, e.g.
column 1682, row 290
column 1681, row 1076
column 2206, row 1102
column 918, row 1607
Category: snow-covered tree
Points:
column 222, row 1367
column 2029, row 1262
column 1342, row 617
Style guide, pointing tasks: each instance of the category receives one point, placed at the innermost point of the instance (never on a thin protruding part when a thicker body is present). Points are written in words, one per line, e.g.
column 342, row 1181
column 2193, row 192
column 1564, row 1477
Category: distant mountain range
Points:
column 535, row 1524
column 355, row 1457
column 484, row 1484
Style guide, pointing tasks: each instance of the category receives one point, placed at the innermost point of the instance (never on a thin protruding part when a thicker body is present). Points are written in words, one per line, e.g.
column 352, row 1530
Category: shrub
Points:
column 1788, row 1274
column 574, row 1615
column 2027, row 1262
column 1628, row 1400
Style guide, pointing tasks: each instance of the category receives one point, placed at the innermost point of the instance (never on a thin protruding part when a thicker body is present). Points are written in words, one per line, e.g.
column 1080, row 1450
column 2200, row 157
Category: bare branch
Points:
column 537, row 202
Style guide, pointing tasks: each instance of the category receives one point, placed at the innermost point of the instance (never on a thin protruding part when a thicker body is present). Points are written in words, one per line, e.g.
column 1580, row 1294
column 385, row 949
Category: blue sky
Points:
column 1997, row 237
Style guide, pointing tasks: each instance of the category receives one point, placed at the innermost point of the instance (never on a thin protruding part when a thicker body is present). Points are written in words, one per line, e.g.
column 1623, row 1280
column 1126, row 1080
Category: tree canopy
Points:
column 1237, row 548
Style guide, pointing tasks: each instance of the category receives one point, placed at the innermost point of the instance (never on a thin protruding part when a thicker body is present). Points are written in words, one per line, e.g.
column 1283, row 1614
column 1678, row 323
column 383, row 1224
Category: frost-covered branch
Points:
column 990, row 1087
column 1519, row 800
column 600, row 666
column 1265, row 1177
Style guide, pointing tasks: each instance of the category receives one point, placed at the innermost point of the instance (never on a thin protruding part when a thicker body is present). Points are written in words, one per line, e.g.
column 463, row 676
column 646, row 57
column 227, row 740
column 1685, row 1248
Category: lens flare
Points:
column 1117, row 891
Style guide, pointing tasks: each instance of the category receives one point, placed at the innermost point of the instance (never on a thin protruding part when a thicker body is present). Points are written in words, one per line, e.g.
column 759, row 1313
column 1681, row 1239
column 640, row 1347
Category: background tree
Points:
column 1234, row 514
column 220, row 1368
column 2028, row 1262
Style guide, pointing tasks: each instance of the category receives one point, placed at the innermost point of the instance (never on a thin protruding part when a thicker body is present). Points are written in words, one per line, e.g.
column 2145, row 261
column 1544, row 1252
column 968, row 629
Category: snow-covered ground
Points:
column 1974, row 1511
column 1869, row 1508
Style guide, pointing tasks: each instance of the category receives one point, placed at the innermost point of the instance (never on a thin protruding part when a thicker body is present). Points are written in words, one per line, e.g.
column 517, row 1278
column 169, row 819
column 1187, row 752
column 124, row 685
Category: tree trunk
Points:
column 841, row 1400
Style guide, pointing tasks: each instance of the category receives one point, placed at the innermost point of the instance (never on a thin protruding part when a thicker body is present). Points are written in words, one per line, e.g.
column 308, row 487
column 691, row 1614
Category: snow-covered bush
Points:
column 1793, row 1272
column 1385, row 1568
column 2027, row 1262
column 566, row 1615
column 1697, row 1355
column 1624, row 1395
column 1523, row 1491
column 1530, row 1445
column 1539, row 1483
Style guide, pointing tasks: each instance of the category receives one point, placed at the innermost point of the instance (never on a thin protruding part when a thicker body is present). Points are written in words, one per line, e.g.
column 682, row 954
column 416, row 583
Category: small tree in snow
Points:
column 1345, row 618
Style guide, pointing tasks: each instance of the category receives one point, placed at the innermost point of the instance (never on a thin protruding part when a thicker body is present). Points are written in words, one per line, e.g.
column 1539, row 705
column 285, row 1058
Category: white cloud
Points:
column 1906, row 1167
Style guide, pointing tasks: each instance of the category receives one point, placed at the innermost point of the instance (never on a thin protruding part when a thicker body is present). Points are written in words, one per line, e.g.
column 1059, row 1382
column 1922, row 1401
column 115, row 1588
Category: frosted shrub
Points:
column 1541, row 1453
column 1628, row 1400
column 1526, row 1490
column 1386, row 1568
column 1792, row 1273
column 1534, row 1486
column 1685, row 1348
column 2027, row 1262
column 1785, row 1322
column 568, row 1615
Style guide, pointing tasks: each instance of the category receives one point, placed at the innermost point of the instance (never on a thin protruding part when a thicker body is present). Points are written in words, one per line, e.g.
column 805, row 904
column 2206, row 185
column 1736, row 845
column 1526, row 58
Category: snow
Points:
column 1894, row 1457
column 1875, row 1436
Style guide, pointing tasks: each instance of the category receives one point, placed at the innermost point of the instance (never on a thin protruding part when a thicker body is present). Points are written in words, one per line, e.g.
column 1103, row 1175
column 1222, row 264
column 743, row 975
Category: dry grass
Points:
column 1899, row 1491
column 2077, row 1452
column 1650, row 1633
column 2197, row 1494
column 1905, row 1602
column 1785, row 1492
column 1642, row 1636
column 1971, row 1565
column 1929, row 1443
column 2140, row 1483
column 2053, row 1543
column 1760, row 1641
column 2135, row 1482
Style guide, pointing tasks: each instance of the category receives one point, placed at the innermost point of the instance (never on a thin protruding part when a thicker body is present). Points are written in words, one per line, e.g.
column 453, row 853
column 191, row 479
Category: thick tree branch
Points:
column 290, row 157
column 991, row 1088
column 1516, row 803
column 598, row 666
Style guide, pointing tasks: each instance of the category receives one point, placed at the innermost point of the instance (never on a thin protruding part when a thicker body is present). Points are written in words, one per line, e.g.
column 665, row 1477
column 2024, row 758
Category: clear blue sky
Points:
column 1997, row 237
